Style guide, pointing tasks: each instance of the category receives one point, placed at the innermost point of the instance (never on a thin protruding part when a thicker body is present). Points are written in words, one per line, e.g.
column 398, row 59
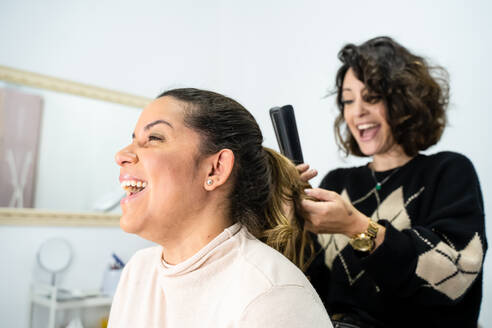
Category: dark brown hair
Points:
column 263, row 180
column 415, row 94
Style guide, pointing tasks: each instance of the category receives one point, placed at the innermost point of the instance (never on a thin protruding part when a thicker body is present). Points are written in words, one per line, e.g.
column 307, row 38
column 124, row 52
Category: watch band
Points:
column 372, row 229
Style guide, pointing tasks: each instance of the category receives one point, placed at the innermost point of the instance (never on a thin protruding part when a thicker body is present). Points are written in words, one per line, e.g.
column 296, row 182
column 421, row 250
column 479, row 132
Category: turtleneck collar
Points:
column 196, row 261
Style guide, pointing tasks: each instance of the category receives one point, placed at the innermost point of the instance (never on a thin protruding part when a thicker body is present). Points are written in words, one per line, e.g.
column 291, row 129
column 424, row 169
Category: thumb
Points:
column 321, row 194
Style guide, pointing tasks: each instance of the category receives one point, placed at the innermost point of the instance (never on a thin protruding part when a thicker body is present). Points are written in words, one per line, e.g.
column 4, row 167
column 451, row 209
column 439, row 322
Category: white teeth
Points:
column 366, row 126
column 129, row 184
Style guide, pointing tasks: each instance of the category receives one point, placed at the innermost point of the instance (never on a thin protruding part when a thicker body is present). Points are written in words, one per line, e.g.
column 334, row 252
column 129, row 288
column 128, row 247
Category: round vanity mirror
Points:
column 54, row 256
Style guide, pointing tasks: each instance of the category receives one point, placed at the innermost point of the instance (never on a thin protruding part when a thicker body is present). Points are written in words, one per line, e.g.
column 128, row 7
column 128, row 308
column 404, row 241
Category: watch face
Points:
column 362, row 244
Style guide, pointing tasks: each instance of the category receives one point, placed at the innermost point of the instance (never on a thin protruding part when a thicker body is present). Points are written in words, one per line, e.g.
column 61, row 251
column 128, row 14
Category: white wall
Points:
column 263, row 53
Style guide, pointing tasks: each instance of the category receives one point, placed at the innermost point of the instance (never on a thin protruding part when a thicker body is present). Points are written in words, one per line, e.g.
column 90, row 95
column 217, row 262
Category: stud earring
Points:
column 209, row 182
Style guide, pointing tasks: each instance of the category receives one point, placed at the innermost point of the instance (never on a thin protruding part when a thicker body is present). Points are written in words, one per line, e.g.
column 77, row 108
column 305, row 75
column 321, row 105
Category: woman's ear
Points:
column 220, row 168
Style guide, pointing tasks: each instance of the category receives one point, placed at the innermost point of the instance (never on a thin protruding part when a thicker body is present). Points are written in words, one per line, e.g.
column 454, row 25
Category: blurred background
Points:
column 261, row 53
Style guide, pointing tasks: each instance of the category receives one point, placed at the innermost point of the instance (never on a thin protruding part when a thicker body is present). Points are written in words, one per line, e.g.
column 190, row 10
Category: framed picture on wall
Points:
column 20, row 124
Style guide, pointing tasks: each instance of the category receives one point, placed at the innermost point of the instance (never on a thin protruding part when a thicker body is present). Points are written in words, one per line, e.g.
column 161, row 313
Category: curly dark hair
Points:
column 415, row 94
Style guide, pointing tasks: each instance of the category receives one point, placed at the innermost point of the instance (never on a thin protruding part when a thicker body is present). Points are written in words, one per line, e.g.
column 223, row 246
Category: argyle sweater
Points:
column 428, row 270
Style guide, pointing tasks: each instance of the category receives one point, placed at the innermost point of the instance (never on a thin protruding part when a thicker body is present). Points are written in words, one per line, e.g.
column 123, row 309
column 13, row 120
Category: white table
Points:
column 49, row 296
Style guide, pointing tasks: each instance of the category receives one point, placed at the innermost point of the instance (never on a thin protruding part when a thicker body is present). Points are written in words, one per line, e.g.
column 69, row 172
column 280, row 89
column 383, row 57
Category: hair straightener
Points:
column 284, row 124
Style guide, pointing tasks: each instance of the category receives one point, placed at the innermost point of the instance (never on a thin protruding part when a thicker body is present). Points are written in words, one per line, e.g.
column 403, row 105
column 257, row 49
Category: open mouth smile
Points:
column 367, row 131
column 133, row 187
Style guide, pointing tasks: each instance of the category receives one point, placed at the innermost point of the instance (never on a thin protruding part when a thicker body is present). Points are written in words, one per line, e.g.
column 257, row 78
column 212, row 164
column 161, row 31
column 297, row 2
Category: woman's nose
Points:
column 360, row 108
column 126, row 156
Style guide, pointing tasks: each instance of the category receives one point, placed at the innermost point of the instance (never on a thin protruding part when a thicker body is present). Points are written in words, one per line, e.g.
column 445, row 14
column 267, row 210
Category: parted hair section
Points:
column 267, row 188
column 415, row 94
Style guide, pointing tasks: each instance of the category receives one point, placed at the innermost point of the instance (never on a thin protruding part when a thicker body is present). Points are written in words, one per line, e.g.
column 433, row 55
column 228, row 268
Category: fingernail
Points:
column 308, row 191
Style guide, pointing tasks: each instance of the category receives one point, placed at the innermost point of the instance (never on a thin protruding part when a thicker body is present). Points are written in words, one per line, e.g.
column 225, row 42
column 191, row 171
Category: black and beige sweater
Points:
column 428, row 271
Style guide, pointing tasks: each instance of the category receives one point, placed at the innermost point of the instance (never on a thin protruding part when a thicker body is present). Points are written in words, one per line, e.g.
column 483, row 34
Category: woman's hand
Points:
column 332, row 214
column 306, row 173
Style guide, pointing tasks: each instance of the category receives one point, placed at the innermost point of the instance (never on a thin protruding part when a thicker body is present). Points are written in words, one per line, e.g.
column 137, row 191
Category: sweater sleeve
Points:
column 289, row 306
column 439, row 258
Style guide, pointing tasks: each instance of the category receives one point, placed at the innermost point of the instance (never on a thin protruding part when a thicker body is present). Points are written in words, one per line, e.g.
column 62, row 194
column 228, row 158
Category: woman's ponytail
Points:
column 284, row 217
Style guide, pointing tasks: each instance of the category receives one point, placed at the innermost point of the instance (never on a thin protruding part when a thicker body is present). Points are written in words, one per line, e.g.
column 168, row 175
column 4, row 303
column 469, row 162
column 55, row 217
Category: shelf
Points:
column 74, row 303
column 56, row 299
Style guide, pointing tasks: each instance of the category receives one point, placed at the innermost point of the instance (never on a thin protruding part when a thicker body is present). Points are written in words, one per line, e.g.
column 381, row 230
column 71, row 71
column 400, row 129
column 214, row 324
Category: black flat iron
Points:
column 284, row 124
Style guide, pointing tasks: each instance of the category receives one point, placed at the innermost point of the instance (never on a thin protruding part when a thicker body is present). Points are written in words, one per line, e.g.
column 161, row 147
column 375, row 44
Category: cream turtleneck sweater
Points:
column 234, row 281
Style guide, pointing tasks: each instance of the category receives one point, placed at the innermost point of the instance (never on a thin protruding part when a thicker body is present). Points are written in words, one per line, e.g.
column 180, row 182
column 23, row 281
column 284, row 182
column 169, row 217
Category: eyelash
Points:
column 347, row 102
column 152, row 138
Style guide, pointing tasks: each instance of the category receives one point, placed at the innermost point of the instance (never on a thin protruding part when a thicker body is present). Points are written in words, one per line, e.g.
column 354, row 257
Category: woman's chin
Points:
column 367, row 151
column 372, row 148
column 129, row 223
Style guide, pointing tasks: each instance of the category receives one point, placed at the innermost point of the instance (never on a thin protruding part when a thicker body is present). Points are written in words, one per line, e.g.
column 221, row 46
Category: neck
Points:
column 391, row 159
column 192, row 234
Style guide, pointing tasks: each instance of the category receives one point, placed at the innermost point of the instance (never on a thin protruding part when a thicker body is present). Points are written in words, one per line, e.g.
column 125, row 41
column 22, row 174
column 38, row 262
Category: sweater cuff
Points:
column 389, row 264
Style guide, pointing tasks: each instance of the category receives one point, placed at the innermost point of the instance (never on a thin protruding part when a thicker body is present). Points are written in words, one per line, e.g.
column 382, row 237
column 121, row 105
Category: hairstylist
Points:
column 403, row 236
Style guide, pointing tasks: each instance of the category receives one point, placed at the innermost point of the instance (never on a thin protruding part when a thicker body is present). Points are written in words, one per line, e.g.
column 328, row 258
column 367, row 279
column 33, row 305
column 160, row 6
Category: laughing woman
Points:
column 403, row 235
column 201, row 185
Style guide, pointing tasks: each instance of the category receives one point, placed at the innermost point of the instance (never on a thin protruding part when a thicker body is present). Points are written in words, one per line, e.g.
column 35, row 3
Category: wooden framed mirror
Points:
column 65, row 173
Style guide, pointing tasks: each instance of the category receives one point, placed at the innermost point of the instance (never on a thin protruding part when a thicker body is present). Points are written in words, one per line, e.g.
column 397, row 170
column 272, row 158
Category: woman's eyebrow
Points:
column 151, row 124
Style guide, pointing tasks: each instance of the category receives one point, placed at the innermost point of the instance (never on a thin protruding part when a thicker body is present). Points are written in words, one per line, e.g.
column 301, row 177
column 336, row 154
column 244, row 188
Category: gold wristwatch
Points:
column 365, row 241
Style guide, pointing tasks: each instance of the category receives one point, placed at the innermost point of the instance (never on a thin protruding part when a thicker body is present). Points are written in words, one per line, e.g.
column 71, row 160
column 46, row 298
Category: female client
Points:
column 201, row 185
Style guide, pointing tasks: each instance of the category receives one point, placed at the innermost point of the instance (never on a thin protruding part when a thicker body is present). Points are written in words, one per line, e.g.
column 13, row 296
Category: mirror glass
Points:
column 57, row 149
column 54, row 256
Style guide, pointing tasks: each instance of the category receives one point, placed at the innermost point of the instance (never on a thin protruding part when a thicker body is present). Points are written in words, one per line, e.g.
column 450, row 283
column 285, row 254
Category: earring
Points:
column 209, row 182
